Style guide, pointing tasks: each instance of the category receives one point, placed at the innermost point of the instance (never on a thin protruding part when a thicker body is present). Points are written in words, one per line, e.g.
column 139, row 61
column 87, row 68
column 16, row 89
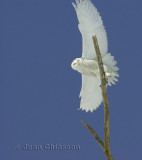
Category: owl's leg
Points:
column 108, row 73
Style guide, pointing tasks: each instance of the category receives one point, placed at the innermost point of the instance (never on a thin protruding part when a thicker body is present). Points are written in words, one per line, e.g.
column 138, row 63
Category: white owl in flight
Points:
column 90, row 24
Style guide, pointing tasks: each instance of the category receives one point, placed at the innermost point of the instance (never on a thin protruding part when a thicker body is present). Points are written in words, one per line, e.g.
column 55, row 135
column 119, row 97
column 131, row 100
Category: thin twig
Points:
column 94, row 134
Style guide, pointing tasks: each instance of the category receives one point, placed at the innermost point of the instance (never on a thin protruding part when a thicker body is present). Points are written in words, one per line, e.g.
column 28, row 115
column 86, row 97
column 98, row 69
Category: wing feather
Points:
column 90, row 24
column 91, row 96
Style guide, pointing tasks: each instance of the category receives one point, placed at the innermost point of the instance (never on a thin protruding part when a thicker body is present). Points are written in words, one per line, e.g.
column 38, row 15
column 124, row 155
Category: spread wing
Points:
column 91, row 95
column 90, row 24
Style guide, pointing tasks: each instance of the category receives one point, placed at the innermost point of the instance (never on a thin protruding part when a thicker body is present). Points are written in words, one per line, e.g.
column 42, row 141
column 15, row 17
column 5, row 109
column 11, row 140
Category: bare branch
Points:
column 105, row 99
column 106, row 144
column 94, row 134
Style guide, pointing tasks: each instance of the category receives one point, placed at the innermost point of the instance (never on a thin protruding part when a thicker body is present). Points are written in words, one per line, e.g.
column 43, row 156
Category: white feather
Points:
column 90, row 24
column 91, row 95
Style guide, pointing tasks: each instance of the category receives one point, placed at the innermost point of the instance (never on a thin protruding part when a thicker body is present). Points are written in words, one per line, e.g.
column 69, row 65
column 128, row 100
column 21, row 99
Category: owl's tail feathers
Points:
column 112, row 69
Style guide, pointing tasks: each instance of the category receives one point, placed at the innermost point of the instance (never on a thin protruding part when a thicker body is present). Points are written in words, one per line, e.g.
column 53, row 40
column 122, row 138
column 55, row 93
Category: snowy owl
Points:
column 90, row 24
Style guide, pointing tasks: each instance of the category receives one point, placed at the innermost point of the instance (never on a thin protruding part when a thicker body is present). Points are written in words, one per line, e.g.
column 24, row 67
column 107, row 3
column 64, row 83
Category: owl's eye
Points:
column 74, row 64
column 78, row 60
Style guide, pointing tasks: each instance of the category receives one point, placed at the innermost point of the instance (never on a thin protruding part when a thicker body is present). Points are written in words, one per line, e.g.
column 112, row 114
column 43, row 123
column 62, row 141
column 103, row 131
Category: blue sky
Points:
column 39, row 90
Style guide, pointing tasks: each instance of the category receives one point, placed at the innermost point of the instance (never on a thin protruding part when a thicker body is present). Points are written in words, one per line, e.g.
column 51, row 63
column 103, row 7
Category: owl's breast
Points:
column 89, row 72
column 89, row 68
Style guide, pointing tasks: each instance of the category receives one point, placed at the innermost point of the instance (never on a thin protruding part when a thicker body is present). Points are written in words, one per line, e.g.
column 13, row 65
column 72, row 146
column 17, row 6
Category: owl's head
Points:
column 77, row 63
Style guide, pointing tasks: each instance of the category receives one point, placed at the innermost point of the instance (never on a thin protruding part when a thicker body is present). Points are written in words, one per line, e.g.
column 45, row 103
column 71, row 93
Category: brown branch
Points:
column 98, row 139
column 105, row 99
column 106, row 144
